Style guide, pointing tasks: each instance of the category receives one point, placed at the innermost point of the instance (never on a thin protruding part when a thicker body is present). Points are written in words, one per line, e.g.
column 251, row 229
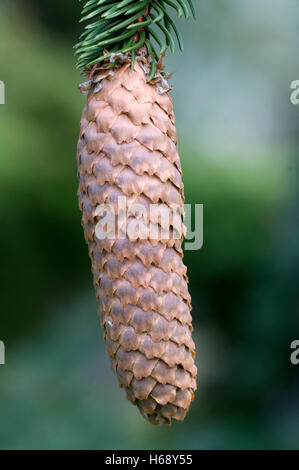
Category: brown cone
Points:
column 127, row 147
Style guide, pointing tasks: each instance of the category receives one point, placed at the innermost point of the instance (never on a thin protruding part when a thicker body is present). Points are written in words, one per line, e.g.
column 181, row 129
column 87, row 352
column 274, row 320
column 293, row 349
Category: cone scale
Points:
column 128, row 150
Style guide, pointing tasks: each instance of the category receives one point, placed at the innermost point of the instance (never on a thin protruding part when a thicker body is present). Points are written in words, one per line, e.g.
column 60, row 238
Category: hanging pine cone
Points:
column 128, row 149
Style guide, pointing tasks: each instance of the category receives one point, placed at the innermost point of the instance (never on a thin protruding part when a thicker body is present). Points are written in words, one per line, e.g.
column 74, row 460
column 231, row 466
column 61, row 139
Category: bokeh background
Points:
column 238, row 136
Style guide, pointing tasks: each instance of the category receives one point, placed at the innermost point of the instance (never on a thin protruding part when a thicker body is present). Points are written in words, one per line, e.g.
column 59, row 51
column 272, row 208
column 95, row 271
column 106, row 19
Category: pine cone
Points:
column 127, row 147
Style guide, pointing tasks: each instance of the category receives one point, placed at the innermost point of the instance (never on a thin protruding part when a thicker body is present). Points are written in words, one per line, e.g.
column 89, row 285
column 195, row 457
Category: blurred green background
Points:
column 238, row 136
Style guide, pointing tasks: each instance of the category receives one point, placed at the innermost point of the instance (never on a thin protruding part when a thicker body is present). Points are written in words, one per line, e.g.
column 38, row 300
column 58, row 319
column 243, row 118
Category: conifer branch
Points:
column 114, row 27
